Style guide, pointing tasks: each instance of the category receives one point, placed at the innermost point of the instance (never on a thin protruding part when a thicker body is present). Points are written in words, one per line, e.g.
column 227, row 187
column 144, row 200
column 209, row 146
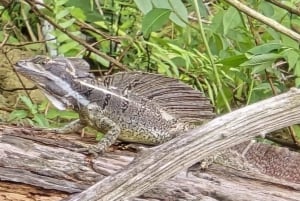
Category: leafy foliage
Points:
column 39, row 114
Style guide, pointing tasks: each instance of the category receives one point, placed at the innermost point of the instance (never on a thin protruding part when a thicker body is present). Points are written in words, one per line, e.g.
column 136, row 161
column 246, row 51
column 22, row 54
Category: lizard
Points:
column 136, row 107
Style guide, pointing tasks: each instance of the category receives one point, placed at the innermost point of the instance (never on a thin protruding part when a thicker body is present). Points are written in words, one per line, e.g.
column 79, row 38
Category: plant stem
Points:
column 210, row 56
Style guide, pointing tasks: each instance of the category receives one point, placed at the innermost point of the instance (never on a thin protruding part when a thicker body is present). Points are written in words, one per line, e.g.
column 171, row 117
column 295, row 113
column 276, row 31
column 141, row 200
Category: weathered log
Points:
column 35, row 158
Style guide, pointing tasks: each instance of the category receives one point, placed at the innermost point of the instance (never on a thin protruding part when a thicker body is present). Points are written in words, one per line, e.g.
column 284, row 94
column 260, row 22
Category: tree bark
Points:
column 57, row 172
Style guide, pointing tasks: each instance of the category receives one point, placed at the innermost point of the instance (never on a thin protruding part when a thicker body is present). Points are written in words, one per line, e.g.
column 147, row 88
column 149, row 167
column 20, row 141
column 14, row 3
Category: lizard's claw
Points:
column 95, row 150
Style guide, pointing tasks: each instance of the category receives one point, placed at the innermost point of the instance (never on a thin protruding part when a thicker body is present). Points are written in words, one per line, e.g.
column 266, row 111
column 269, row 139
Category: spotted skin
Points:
column 133, row 107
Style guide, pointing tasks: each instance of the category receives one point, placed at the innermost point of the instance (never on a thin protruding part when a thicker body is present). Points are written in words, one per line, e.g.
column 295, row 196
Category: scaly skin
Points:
column 133, row 107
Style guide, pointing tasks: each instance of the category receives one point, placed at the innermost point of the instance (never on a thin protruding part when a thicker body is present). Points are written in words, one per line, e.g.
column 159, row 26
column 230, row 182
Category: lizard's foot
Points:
column 72, row 127
column 95, row 150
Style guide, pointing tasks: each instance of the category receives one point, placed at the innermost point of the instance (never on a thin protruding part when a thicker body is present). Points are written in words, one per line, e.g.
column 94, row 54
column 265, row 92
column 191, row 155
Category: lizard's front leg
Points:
column 111, row 135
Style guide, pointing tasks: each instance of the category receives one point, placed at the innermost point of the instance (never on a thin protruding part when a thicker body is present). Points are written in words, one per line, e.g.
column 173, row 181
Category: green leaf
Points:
column 154, row 20
column 261, row 91
column 263, row 87
column 297, row 82
column 297, row 69
column 202, row 9
column 216, row 44
column 144, row 5
column 265, row 48
column 91, row 13
column 292, row 57
column 32, row 107
column 266, row 8
column 60, row 2
column 180, row 15
column 260, row 68
column 17, row 114
column 43, row 106
column 62, row 14
column 99, row 136
column 67, row 23
column 231, row 20
column 101, row 60
column 289, row 42
column 174, row 18
column 61, row 37
column 52, row 113
column 297, row 130
column 162, row 4
column 235, row 60
column 67, row 47
column 41, row 120
column 217, row 26
column 78, row 14
column 68, row 114
column 260, row 59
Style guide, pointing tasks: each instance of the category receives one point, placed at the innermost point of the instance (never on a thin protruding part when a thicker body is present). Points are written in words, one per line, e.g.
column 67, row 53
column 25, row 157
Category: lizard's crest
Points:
column 174, row 98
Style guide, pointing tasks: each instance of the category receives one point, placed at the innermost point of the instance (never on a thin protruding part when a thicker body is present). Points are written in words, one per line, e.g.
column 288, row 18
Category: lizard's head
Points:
column 55, row 77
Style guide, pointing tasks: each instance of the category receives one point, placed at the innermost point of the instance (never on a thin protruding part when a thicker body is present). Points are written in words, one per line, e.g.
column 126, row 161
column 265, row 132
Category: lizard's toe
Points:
column 89, row 149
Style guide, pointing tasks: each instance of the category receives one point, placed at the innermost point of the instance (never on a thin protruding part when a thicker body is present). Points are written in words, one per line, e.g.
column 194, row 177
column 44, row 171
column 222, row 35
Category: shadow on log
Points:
column 252, row 171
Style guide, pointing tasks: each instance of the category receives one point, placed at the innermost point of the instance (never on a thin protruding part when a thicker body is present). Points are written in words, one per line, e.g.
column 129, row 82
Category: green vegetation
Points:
column 233, row 58
column 40, row 114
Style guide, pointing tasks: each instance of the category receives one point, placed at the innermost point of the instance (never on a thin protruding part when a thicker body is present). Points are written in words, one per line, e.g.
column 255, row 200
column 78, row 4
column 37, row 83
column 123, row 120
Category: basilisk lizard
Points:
column 130, row 106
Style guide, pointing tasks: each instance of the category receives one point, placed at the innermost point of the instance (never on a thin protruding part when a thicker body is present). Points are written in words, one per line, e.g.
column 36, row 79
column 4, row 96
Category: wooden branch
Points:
column 270, row 22
column 42, row 160
column 160, row 163
column 285, row 6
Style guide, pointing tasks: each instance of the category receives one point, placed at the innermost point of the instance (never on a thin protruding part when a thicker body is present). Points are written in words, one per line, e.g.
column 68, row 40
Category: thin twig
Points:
column 21, row 44
column 286, row 7
column 18, row 76
column 28, row 27
column 270, row 22
column 18, row 89
column 6, row 37
column 75, row 38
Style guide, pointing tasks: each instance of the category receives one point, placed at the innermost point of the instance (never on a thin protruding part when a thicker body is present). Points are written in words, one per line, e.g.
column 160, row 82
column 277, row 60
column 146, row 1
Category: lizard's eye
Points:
column 40, row 60
column 43, row 61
